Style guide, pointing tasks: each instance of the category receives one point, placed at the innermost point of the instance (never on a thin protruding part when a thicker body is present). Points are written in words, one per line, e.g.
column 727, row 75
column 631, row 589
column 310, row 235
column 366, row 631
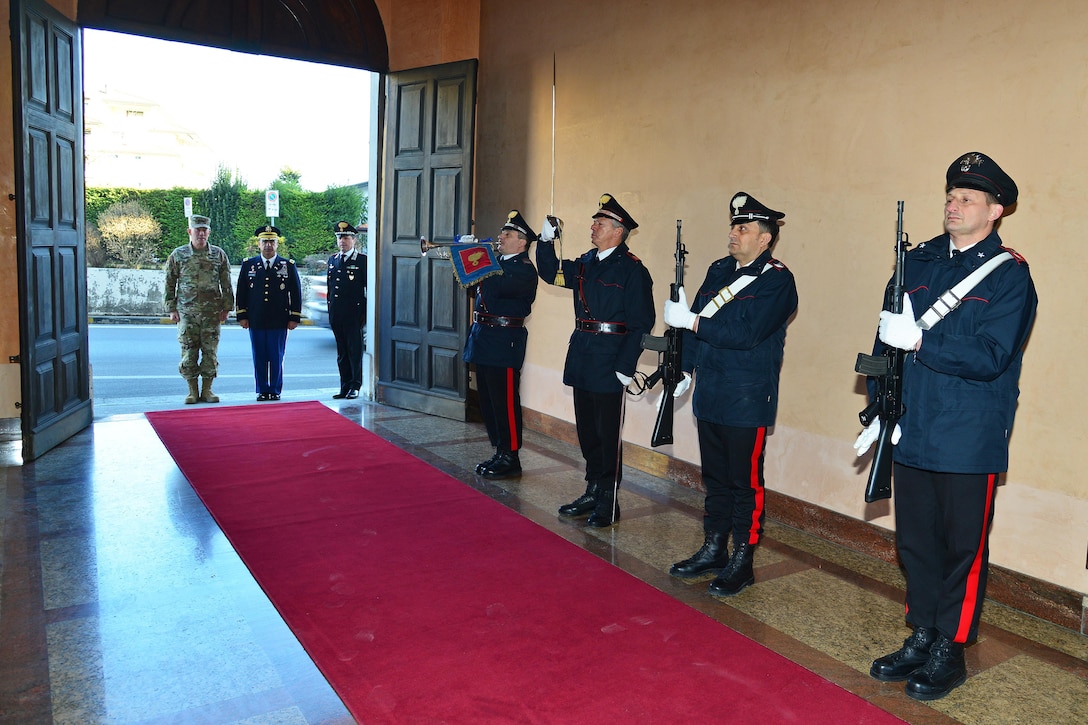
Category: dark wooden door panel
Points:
column 49, row 227
column 427, row 193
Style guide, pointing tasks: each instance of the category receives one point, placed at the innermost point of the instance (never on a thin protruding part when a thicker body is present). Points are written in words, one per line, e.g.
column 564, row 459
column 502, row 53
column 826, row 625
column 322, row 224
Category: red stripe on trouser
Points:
column 971, row 593
column 754, row 483
column 511, row 418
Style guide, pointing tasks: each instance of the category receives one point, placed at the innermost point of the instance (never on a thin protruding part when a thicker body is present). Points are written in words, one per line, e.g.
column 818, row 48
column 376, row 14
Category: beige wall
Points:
column 9, row 273
column 831, row 112
column 427, row 32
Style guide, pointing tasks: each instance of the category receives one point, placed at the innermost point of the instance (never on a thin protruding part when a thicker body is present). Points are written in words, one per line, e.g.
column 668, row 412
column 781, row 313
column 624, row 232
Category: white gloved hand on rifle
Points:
column 869, row 435
column 679, row 389
column 679, row 314
column 900, row 330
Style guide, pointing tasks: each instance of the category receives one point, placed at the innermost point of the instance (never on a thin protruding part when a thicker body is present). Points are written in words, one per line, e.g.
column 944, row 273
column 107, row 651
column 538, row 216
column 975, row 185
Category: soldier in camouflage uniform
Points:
column 198, row 296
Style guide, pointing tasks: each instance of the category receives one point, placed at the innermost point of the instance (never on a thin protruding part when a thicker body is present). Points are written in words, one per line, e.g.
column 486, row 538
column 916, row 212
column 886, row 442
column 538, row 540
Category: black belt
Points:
column 606, row 328
column 498, row 320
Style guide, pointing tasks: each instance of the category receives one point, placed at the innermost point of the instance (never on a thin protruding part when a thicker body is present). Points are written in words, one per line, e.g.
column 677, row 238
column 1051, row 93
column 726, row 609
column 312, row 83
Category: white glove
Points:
column 869, row 435
column 679, row 389
column 679, row 314
column 625, row 380
column 549, row 231
column 466, row 239
column 900, row 331
column 682, row 386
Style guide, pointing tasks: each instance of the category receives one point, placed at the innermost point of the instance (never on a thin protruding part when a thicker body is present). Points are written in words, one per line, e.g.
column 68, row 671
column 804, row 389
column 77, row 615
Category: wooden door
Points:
column 48, row 100
column 426, row 192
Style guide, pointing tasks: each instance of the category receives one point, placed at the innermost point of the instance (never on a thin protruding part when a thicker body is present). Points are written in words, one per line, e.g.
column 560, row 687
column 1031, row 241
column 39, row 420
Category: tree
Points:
column 221, row 203
column 96, row 252
column 288, row 180
column 130, row 234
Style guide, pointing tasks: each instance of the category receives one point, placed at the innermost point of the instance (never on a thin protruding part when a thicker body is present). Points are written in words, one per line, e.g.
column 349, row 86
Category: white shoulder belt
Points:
column 951, row 299
column 729, row 292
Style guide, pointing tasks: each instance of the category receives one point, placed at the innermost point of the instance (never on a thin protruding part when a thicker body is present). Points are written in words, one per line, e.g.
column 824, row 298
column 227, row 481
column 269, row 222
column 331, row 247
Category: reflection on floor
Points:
column 123, row 603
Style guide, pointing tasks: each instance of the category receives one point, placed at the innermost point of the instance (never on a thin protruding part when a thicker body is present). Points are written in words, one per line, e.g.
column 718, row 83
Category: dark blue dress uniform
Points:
column 735, row 353
column 269, row 297
column 616, row 291
column 613, row 309
column 346, row 298
column 737, row 357
column 496, row 346
column 959, row 392
column 960, row 389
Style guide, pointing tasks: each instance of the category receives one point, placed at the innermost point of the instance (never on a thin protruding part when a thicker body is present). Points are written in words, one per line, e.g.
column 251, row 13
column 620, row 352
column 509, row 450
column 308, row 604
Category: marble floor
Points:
column 122, row 602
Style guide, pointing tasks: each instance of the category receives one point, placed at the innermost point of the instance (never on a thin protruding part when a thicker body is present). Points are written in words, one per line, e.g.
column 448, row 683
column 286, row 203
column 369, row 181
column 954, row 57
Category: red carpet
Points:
column 422, row 600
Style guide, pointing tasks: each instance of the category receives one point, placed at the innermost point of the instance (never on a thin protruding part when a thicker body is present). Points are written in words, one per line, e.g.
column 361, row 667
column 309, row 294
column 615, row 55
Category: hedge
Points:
column 305, row 223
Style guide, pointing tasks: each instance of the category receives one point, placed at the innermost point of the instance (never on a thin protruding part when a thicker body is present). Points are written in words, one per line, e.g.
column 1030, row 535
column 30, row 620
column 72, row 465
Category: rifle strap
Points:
column 951, row 299
column 728, row 293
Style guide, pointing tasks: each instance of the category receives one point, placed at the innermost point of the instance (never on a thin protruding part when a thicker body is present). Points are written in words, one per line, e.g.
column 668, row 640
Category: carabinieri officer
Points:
column 613, row 308
column 734, row 341
column 269, row 298
column 496, row 345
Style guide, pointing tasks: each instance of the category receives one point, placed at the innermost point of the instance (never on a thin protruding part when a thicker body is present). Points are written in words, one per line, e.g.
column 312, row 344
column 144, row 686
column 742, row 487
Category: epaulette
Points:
column 1019, row 258
column 632, row 256
column 775, row 264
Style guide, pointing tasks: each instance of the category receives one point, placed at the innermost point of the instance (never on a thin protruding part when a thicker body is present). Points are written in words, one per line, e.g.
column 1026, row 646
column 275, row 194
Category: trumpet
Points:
column 443, row 247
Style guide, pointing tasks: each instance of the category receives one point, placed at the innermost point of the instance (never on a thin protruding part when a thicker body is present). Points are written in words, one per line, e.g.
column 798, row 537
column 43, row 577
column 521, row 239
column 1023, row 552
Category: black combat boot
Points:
column 607, row 510
column 505, row 465
column 712, row 557
column 583, row 505
column 914, row 653
column 737, row 574
column 945, row 671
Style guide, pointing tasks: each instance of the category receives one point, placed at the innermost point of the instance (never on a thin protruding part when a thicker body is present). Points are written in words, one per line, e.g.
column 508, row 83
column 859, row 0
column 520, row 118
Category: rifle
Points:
column 668, row 350
column 887, row 369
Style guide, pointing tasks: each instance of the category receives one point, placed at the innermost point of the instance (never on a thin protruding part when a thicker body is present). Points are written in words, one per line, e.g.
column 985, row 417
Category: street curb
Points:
column 152, row 320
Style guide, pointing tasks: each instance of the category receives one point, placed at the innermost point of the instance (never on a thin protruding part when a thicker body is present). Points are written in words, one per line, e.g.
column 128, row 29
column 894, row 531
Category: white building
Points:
column 130, row 141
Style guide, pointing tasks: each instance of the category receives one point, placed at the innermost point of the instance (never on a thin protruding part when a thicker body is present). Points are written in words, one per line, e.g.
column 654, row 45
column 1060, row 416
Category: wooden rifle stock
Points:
column 887, row 371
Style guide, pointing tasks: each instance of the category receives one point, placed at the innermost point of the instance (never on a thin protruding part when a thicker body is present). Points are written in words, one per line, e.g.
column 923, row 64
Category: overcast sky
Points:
column 257, row 113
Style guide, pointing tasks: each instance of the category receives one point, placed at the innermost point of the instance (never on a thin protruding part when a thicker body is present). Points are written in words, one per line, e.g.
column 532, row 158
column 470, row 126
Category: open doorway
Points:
column 167, row 121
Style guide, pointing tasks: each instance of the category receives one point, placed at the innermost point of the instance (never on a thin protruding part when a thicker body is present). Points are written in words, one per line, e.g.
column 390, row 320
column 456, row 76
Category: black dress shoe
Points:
column 914, row 653
column 273, row 396
column 737, row 574
column 262, row 396
column 352, row 394
column 583, row 505
column 484, row 464
column 607, row 509
column 505, row 465
column 945, row 671
column 711, row 558
column 341, row 394
column 602, row 520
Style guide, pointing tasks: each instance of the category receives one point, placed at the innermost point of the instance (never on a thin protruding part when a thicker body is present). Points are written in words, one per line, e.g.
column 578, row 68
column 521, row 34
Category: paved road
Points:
column 135, row 367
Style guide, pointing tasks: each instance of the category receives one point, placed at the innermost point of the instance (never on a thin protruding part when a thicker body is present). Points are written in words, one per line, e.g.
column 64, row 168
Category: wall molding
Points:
column 1024, row 593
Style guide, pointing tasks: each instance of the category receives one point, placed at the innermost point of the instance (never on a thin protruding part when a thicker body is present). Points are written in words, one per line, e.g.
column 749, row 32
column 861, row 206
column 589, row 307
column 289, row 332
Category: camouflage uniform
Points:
column 198, row 288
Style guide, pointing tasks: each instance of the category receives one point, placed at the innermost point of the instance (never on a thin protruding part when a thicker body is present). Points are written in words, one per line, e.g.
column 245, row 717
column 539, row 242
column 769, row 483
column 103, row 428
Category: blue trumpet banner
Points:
column 473, row 262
